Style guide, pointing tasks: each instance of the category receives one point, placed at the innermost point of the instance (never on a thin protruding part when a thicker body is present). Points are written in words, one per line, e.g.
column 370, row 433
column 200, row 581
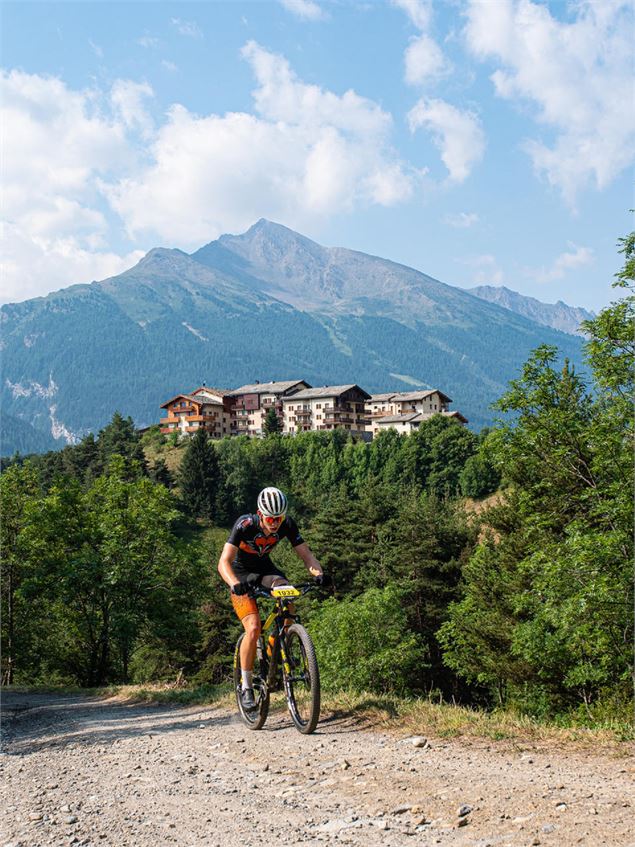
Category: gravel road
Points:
column 78, row 770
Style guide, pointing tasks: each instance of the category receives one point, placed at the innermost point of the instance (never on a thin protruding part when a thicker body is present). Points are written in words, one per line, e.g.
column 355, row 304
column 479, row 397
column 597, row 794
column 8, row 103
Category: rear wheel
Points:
column 253, row 718
column 302, row 683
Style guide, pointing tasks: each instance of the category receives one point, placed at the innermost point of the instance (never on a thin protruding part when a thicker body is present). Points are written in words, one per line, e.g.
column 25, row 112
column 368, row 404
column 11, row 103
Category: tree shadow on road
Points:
column 31, row 724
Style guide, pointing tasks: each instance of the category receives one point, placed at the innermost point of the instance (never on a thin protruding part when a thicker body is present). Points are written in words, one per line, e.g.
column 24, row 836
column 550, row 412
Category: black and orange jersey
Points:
column 254, row 546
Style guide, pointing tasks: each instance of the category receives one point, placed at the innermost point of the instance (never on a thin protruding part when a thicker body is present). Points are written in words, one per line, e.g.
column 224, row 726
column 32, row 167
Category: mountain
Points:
column 556, row 315
column 267, row 304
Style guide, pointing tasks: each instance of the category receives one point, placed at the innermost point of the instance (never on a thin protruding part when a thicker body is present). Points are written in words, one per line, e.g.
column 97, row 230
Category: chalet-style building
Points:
column 250, row 404
column 329, row 407
column 410, row 421
column 205, row 407
column 405, row 410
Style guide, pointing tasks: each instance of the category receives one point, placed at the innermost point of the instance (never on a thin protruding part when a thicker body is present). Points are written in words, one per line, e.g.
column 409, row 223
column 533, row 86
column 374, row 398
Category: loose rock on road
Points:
column 95, row 771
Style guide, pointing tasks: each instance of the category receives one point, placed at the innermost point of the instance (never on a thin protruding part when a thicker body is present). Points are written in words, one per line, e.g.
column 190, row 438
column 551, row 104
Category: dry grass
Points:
column 421, row 717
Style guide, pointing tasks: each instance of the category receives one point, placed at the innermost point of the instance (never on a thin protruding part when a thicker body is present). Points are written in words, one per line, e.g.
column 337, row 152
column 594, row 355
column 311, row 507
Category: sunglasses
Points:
column 272, row 521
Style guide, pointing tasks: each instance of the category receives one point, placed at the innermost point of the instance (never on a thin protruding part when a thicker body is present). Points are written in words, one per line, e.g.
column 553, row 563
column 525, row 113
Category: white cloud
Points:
column 148, row 41
column 61, row 143
column 457, row 134
column 188, row 28
column 308, row 152
column 169, row 66
column 576, row 257
column 419, row 12
column 58, row 141
column 462, row 220
column 34, row 265
column 578, row 76
column 281, row 96
column 306, row 9
column 487, row 271
column 127, row 99
column 424, row 60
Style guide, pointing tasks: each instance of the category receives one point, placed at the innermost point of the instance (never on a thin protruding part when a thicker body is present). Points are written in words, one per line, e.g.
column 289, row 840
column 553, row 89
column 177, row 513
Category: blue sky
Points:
column 480, row 141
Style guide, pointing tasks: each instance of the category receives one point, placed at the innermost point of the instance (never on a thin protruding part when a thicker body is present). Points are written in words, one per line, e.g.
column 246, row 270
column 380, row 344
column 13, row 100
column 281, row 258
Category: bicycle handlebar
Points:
column 259, row 591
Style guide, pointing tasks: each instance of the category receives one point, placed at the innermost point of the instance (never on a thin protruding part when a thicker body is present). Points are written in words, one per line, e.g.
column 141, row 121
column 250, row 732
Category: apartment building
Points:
column 401, row 410
column 300, row 408
column 208, row 408
column 250, row 404
column 329, row 407
column 410, row 421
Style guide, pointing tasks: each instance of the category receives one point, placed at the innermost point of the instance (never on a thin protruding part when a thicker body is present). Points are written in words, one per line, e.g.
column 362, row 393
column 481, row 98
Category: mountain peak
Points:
column 161, row 255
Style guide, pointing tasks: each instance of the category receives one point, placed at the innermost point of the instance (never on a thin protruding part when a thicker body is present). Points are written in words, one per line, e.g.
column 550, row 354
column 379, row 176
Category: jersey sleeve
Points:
column 292, row 532
column 238, row 529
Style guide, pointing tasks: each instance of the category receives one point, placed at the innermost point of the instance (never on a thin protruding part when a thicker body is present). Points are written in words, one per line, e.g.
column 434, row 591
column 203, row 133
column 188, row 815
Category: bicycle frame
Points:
column 279, row 615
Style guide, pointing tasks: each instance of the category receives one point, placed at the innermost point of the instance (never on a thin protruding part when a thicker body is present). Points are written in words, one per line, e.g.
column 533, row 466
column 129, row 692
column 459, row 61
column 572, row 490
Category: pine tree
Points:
column 119, row 438
column 159, row 472
column 272, row 422
column 199, row 477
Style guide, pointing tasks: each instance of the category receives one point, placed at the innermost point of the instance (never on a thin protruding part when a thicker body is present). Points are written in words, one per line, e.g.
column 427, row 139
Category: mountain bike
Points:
column 284, row 659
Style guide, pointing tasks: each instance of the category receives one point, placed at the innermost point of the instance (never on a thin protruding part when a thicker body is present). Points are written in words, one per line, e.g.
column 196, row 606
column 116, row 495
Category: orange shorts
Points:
column 244, row 605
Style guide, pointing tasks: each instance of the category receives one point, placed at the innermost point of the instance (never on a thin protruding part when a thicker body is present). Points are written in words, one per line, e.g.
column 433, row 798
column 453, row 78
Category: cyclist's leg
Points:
column 247, row 610
column 276, row 577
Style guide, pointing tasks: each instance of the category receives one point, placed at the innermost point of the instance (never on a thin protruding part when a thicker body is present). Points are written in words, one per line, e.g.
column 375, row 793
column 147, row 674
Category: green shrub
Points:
column 364, row 643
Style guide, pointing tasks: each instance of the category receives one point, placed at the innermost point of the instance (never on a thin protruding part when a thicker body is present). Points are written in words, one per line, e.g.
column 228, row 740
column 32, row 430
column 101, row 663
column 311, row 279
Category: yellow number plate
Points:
column 285, row 591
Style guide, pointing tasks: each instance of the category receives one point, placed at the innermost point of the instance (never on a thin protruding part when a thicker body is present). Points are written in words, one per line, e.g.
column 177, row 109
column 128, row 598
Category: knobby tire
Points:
column 253, row 719
column 303, row 684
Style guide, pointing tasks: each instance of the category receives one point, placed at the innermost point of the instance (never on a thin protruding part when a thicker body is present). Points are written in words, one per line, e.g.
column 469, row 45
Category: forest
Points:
column 491, row 569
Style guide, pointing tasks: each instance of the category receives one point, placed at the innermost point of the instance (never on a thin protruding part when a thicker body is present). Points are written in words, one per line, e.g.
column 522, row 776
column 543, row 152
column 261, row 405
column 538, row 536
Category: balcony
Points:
column 303, row 413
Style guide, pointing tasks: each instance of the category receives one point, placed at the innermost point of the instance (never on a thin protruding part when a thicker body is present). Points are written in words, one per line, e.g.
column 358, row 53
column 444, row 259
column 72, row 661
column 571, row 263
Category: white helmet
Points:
column 272, row 502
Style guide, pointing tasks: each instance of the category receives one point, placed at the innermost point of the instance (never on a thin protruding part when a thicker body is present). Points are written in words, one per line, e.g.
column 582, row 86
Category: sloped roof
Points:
column 221, row 392
column 398, row 418
column 420, row 395
column 200, row 400
column 458, row 415
column 268, row 387
column 326, row 391
column 378, row 398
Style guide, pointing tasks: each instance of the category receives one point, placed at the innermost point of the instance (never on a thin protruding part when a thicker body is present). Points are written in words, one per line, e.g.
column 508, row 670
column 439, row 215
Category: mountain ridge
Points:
column 226, row 315
column 558, row 315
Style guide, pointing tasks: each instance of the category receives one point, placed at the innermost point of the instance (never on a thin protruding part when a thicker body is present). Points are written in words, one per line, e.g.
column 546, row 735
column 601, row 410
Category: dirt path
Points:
column 101, row 772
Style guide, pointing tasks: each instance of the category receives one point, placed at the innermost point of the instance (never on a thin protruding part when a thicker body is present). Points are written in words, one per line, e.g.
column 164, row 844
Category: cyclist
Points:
column 245, row 563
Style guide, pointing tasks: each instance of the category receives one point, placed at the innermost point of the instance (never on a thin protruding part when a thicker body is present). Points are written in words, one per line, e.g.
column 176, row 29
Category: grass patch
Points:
column 422, row 717
column 186, row 696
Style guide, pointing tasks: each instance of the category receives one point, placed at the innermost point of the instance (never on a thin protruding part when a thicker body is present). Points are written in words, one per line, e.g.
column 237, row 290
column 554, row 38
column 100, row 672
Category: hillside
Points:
column 268, row 304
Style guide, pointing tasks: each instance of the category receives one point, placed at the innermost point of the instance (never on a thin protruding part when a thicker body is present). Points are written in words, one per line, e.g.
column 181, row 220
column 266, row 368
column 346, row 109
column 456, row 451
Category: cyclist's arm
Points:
column 225, row 564
column 310, row 562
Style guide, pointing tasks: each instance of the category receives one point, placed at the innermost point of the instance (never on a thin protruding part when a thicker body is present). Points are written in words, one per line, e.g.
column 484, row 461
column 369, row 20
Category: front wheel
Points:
column 302, row 679
column 254, row 718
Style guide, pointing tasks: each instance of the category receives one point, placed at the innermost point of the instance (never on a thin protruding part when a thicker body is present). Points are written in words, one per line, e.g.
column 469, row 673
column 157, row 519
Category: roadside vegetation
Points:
column 516, row 608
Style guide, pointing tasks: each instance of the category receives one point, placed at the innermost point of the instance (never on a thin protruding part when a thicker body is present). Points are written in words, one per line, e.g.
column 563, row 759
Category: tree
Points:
column 436, row 453
column 159, row 472
column 271, row 423
column 199, row 476
column 18, row 486
column 119, row 438
column 554, row 629
column 105, row 564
